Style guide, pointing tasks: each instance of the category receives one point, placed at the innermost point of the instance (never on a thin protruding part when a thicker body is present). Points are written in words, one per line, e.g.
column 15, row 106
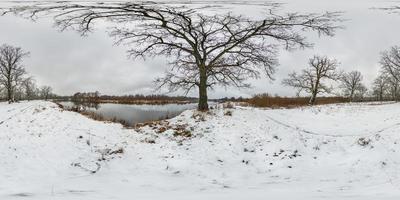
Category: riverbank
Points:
column 322, row 152
column 128, row 115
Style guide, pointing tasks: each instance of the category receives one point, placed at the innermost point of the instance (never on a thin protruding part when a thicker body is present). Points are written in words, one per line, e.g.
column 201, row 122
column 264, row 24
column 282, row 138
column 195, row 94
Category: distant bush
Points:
column 228, row 113
column 265, row 100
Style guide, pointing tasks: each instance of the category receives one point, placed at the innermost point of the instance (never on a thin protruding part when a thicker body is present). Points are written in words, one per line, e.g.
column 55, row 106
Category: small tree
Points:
column 380, row 87
column 29, row 88
column 205, row 50
column 351, row 83
column 45, row 92
column 393, row 87
column 390, row 62
column 360, row 93
column 11, row 69
column 312, row 80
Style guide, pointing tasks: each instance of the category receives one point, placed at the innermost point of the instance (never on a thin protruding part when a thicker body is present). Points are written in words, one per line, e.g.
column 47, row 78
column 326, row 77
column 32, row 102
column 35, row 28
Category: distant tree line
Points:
column 322, row 71
column 138, row 98
column 15, row 83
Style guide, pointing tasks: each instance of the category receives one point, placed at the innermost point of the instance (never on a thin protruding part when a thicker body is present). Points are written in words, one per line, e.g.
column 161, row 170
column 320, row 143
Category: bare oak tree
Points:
column 360, row 93
column 392, row 87
column 390, row 62
column 311, row 80
column 351, row 82
column 380, row 87
column 11, row 69
column 29, row 88
column 45, row 92
column 204, row 50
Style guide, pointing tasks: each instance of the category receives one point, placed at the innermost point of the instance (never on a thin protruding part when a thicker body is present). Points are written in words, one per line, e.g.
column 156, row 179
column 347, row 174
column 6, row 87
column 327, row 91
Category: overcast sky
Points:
column 71, row 63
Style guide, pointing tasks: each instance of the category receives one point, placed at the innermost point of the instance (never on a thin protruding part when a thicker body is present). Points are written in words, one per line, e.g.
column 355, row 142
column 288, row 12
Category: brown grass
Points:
column 264, row 100
column 99, row 117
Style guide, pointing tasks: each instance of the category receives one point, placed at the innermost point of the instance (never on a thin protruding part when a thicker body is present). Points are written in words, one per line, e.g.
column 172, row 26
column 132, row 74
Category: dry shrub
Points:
column 122, row 122
column 59, row 105
column 198, row 116
column 161, row 130
column 228, row 113
column 228, row 105
column 99, row 117
column 93, row 115
column 180, row 130
column 149, row 141
column 265, row 100
column 118, row 151
column 363, row 141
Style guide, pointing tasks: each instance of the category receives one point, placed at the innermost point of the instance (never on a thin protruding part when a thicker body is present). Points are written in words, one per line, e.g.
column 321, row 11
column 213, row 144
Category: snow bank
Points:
column 323, row 152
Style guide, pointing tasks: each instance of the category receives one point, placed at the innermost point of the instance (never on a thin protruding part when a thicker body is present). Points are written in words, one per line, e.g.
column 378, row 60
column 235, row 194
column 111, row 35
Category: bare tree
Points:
column 380, row 87
column 311, row 80
column 11, row 69
column 393, row 87
column 45, row 92
column 204, row 50
column 360, row 93
column 351, row 82
column 29, row 88
column 390, row 62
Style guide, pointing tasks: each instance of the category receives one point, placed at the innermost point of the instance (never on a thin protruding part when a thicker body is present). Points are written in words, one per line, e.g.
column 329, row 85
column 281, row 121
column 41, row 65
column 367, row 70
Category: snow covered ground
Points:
column 346, row 151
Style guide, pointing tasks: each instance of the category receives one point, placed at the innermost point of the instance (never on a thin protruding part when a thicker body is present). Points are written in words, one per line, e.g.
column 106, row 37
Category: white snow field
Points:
column 343, row 151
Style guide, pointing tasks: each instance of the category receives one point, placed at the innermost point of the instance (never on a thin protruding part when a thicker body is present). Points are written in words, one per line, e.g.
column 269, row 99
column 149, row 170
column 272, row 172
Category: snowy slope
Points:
column 347, row 151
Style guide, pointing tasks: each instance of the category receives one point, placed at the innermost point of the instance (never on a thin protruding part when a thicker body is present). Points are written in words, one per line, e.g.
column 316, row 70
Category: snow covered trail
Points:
column 346, row 151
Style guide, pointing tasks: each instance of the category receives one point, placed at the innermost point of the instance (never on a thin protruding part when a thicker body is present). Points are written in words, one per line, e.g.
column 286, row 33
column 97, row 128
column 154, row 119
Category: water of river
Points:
column 133, row 114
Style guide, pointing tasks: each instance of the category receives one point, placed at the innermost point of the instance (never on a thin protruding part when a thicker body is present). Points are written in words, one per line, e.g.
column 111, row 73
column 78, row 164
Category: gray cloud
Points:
column 71, row 63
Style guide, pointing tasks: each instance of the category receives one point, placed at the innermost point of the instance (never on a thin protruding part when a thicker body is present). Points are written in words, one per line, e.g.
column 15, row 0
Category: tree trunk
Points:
column 203, row 99
column 9, row 95
column 313, row 98
column 351, row 96
column 314, row 92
